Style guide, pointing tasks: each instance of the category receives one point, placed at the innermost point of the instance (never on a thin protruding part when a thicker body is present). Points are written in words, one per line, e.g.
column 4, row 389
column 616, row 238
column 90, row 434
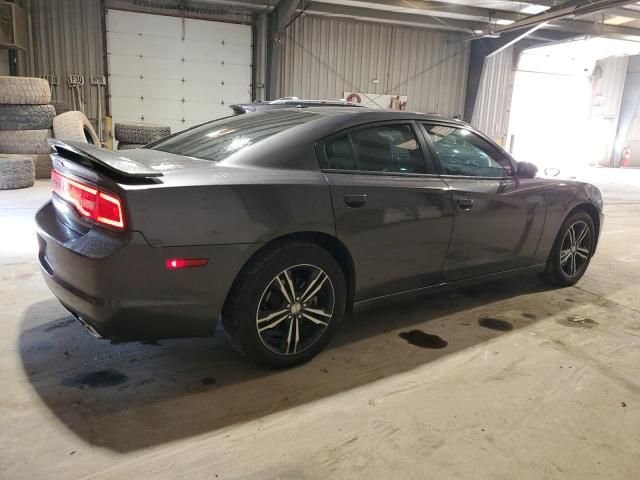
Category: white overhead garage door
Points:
column 174, row 71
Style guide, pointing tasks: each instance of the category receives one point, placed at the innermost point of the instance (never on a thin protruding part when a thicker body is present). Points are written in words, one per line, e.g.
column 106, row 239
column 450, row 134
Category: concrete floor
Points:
column 553, row 393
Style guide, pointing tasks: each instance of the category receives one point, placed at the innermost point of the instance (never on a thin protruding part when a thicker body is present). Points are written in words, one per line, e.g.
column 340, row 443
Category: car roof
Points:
column 374, row 114
column 252, row 107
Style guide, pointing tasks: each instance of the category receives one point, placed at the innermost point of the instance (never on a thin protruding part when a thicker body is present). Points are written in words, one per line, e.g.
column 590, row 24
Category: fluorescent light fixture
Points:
column 617, row 20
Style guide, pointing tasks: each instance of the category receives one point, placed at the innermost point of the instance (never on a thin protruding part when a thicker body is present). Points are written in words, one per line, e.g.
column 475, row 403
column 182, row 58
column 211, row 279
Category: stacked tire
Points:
column 26, row 119
column 136, row 135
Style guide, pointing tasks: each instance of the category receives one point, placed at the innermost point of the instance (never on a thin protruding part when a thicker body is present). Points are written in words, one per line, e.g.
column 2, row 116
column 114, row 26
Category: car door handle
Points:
column 355, row 201
column 465, row 203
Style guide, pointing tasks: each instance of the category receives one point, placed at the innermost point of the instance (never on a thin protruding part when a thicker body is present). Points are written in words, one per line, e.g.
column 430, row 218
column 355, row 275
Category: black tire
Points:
column 61, row 106
column 140, row 133
column 242, row 308
column 129, row 146
column 30, row 142
column 42, row 163
column 24, row 91
column 16, row 172
column 26, row 117
column 558, row 272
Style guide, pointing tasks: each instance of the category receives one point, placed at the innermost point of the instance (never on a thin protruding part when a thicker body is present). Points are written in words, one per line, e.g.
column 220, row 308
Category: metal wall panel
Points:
column 325, row 57
column 67, row 38
column 607, row 89
column 491, row 112
column 608, row 85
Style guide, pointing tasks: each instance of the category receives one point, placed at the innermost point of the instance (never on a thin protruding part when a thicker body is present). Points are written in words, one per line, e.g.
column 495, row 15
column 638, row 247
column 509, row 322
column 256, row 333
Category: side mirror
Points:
column 527, row 170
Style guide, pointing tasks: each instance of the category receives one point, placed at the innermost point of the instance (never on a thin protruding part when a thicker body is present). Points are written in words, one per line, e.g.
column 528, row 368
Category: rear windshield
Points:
column 219, row 139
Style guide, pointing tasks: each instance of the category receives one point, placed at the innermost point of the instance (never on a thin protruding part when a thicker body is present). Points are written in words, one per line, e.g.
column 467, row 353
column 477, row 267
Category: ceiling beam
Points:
column 385, row 16
column 432, row 8
column 596, row 29
column 428, row 21
column 249, row 4
column 563, row 11
column 623, row 12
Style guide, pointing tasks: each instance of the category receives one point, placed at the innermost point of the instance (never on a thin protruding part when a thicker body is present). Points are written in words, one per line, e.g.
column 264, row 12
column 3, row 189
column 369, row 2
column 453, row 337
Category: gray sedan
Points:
column 279, row 222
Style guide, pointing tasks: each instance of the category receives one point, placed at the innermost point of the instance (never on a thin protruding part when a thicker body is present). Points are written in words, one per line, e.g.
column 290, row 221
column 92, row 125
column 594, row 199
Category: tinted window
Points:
column 219, row 139
column 389, row 148
column 462, row 152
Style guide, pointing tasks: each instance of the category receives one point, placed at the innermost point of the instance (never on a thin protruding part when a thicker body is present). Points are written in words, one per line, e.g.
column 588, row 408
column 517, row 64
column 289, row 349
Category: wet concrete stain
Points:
column 61, row 324
column 531, row 316
column 576, row 321
column 99, row 379
column 155, row 343
column 423, row 339
column 495, row 324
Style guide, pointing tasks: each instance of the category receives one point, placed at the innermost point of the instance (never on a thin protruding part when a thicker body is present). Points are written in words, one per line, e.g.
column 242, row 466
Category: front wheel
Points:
column 572, row 251
column 285, row 305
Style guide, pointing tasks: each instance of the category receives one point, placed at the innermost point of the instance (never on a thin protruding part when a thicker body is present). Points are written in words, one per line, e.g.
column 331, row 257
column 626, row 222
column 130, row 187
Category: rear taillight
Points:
column 89, row 201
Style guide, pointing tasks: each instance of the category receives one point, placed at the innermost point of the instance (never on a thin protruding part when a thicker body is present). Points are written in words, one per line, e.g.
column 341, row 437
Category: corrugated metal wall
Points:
column 608, row 86
column 68, row 39
column 491, row 111
column 325, row 57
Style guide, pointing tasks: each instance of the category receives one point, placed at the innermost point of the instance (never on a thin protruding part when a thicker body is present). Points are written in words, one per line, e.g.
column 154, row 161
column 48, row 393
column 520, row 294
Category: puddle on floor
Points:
column 495, row 324
column 423, row 339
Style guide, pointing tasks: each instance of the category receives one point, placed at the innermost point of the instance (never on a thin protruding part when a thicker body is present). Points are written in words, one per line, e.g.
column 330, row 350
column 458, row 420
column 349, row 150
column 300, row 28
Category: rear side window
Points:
column 219, row 139
column 387, row 148
column 462, row 152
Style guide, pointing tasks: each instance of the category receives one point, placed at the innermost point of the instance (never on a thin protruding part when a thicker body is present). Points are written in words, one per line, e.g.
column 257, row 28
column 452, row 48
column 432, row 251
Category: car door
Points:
column 498, row 217
column 392, row 211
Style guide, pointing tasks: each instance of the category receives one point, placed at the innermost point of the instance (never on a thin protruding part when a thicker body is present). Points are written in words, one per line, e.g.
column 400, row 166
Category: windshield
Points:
column 219, row 139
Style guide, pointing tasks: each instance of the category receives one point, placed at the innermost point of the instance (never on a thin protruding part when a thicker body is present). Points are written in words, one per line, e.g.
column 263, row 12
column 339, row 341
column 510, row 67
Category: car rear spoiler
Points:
column 116, row 162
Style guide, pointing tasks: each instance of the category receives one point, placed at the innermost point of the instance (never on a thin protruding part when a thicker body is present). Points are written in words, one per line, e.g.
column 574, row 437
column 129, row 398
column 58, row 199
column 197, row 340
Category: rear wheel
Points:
column 285, row 305
column 572, row 251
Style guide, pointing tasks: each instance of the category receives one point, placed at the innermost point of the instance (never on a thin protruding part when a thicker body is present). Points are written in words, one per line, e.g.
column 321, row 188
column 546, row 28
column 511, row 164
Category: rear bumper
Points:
column 118, row 284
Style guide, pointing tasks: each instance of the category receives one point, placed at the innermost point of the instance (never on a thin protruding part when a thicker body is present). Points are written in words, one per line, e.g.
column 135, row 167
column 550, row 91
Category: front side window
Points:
column 219, row 139
column 387, row 148
column 462, row 152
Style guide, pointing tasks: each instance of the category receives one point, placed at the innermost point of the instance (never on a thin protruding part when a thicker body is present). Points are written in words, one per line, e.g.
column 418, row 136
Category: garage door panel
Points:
column 161, row 68
column 123, row 43
column 130, row 107
column 128, row 65
column 124, row 86
column 217, row 53
column 211, row 73
column 162, row 108
column 158, row 88
column 157, row 77
column 205, row 92
column 141, row 23
column 200, row 30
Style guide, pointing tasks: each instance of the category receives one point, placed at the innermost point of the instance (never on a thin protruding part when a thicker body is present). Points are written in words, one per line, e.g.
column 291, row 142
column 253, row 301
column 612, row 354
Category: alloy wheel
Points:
column 576, row 249
column 295, row 309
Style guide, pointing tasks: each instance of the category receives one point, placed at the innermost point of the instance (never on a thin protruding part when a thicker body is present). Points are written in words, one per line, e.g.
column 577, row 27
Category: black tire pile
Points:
column 26, row 118
column 136, row 135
